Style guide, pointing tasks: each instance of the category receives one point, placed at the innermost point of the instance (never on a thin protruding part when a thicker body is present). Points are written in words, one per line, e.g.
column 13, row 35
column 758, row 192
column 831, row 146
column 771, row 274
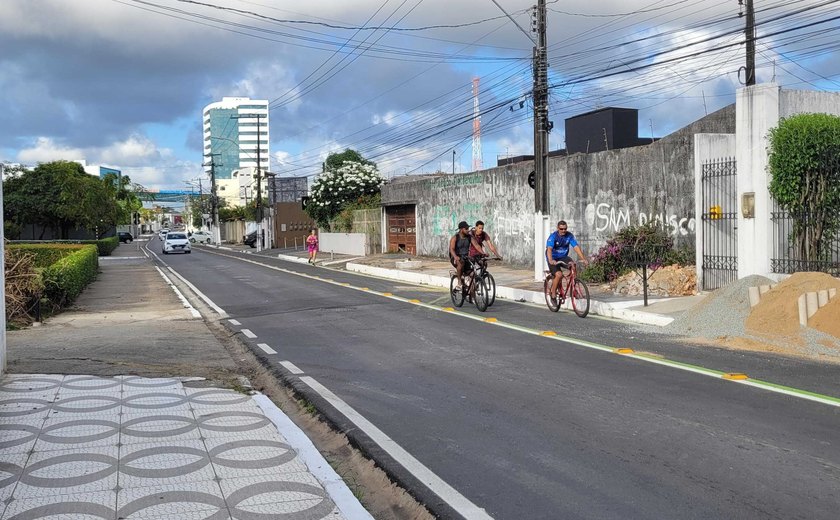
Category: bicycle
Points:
column 569, row 286
column 480, row 264
column 474, row 286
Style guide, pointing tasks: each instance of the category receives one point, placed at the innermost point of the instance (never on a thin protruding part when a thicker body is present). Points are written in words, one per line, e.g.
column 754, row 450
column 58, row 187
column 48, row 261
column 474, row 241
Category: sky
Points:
column 123, row 82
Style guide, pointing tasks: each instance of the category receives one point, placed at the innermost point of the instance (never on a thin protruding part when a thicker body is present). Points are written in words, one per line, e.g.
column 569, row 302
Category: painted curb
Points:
column 296, row 259
column 334, row 485
column 600, row 308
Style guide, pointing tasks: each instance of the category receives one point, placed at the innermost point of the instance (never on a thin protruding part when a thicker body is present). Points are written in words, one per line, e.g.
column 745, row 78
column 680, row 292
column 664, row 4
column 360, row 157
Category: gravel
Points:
column 722, row 313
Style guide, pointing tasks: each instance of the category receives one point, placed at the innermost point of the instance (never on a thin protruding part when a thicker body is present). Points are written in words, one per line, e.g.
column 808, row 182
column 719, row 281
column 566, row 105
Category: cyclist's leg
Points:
column 555, row 278
column 563, row 263
column 459, row 266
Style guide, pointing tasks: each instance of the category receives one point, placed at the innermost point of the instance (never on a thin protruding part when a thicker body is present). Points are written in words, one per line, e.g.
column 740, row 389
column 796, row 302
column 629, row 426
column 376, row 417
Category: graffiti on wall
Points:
column 606, row 218
column 519, row 226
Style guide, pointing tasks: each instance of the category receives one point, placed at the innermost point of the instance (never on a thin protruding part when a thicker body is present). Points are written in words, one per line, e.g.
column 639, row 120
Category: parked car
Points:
column 125, row 236
column 176, row 242
column 202, row 237
column 163, row 233
column 250, row 239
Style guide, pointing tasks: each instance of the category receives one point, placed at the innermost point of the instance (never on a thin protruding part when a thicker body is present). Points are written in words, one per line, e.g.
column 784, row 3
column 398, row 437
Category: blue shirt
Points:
column 560, row 244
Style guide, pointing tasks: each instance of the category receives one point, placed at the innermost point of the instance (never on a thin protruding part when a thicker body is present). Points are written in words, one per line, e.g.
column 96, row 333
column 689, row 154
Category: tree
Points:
column 804, row 166
column 333, row 190
column 335, row 160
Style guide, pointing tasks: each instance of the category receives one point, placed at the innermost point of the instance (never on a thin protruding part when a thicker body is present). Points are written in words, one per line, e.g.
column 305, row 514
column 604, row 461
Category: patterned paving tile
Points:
column 68, row 472
column 64, row 507
column 173, row 501
column 164, row 463
column 85, row 447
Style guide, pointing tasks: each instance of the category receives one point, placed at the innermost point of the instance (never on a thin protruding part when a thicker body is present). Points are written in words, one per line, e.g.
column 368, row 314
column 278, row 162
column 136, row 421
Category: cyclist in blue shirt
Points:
column 557, row 252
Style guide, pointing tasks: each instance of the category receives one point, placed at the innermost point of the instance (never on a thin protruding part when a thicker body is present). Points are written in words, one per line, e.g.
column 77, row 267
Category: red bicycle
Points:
column 570, row 287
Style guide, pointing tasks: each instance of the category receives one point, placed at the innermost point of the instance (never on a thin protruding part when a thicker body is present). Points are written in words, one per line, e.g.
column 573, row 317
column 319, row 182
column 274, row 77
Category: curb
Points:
column 617, row 311
column 334, row 485
column 295, row 259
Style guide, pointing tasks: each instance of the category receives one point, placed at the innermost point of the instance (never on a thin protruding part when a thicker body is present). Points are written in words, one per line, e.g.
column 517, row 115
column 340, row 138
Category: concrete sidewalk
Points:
column 84, row 435
column 512, row 283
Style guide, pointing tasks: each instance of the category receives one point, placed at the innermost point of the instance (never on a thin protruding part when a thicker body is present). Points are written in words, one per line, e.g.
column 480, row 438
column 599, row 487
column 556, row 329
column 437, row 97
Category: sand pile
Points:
column 725, row 318
column 777, row 314
column 827, row 319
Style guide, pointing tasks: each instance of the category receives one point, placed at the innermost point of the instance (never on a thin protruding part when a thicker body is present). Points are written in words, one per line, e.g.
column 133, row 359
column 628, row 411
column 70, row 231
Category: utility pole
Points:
column 453, row 162
column 214, row 205
column 749, row 32
column 540, row 95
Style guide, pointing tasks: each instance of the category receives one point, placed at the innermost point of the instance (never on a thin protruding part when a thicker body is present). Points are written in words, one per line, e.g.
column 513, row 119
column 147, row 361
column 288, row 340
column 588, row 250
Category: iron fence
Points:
column 720, row 223
column 794, row 252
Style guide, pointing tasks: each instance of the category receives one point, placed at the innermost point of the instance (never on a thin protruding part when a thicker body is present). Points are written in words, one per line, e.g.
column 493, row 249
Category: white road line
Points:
column 179, row 294
column 263, row 346
column 291, row 367
column 447, row 493
column 200, row 294
column 248, row 333
column 234, row 322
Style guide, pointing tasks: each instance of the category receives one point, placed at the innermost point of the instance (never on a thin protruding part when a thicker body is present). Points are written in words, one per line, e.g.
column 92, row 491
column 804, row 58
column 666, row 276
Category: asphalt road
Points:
column 531, row 427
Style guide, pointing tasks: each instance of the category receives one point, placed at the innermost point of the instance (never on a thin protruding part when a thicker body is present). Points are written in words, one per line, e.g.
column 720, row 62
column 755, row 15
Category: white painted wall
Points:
column 759, row 109
column 342, row 243
column 706, row 147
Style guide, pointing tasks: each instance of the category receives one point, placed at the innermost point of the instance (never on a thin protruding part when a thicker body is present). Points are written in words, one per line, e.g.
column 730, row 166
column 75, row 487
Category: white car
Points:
column 176, row 242
column 202, row 237
column 162, row 233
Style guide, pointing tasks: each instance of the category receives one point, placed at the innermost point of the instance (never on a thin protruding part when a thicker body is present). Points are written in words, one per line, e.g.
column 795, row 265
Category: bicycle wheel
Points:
column 457, row 294
column 491, row 286
column 482, row 293
column 553, row 303
column 580, row 299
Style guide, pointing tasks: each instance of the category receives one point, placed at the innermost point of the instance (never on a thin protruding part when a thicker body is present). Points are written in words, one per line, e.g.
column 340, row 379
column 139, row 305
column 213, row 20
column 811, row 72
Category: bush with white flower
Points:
column 333, row 190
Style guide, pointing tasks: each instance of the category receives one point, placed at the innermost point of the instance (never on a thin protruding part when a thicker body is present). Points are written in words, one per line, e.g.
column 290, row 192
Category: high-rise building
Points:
column 235, row 135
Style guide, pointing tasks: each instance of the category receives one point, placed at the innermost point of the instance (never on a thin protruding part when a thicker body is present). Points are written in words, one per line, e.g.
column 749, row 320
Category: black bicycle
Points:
column 478, row 286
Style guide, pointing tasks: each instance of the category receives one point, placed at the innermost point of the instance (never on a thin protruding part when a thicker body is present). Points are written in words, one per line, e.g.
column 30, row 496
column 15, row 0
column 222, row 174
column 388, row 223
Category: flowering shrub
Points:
column 628, row 248
column 335, row 189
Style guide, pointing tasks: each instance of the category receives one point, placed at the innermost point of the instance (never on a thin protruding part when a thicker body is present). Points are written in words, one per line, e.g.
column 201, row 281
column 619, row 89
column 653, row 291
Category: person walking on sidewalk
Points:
column 312, row 245
column 479, row 237
column 557, row 253
column 459, row 250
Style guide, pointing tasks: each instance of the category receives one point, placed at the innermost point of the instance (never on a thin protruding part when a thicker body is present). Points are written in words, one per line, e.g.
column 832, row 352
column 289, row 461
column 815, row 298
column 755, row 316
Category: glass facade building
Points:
column 236, row 128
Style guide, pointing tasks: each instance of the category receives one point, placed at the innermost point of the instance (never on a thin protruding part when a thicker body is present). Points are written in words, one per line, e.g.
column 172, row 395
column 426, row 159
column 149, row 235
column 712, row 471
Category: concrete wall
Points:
column 597, row 194
column 342, row 243
column 499, row 196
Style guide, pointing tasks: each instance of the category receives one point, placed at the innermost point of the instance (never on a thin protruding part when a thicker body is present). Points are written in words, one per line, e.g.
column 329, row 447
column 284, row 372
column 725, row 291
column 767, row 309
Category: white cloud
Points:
column 45, row 149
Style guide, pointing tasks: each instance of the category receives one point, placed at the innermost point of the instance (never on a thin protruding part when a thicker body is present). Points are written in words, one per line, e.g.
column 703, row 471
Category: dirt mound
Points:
column 671, row 280
column 827, row 319
column 777, row 314
column 722, row 313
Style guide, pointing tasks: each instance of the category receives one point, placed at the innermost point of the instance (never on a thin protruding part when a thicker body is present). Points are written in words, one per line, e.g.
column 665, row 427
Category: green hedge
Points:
column 65, row 279
column 104, row 246
column 45, row 254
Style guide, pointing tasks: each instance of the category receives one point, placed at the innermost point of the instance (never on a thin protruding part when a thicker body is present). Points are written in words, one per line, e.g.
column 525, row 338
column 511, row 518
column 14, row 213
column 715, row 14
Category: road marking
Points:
column 263, row 346
column 291, row 367
column 249, row 334
column 717, row 374
column 179, row 294
column 234, row 322
column 447, row 493
column 200, row 294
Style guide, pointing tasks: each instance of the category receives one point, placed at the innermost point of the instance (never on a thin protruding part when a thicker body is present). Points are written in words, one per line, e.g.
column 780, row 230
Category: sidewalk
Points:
column 83, row 435
column 512, row 283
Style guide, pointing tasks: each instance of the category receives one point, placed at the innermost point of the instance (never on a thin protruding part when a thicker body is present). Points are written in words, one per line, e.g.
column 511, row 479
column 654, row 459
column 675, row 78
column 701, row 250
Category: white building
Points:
column 236, row 135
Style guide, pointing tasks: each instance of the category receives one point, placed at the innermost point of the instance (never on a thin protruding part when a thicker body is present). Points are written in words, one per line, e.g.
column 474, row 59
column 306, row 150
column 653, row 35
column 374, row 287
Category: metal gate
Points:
column 720, row 222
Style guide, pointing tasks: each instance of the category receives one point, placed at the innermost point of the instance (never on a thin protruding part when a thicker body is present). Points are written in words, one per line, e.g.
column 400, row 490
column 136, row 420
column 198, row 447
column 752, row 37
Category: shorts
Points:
column 563, row 263
column 312, row 249
column 464, row 260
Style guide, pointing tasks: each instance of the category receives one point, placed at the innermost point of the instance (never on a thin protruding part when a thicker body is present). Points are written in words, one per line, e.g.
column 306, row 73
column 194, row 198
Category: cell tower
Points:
column 476, row 136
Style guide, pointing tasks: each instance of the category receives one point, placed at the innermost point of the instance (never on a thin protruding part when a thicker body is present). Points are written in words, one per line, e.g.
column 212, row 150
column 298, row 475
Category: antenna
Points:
column 476, row 136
